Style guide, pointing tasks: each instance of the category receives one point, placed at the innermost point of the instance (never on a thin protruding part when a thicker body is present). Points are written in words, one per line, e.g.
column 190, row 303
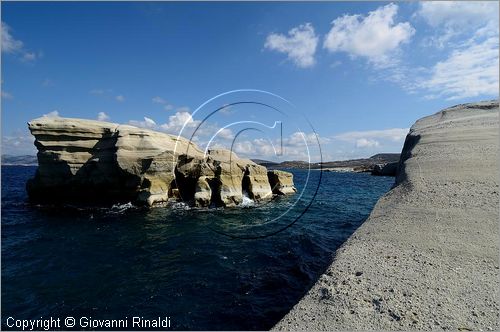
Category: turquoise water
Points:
column 190, row 265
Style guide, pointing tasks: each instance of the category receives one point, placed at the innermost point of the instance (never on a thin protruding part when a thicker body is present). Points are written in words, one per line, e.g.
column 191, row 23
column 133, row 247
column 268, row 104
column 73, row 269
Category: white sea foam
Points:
column 119, row 208
column 247, row 201
column 180, row 206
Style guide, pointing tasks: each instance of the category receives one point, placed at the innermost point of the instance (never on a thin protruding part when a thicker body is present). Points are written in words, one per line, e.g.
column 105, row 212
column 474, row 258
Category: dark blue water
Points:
column 112, row 263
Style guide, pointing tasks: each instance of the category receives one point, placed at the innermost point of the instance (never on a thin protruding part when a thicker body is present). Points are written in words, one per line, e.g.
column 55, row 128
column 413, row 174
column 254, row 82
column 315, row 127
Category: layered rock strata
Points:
column 86, row 161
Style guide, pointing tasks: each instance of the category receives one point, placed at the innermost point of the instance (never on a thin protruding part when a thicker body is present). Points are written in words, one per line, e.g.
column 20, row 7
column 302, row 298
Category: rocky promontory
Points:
column 86, row 161
column 428, row 256
column 379, row 164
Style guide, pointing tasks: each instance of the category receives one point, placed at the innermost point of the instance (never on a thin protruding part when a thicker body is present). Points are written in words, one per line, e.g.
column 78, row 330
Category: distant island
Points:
column 379, row 164
column 25, row 160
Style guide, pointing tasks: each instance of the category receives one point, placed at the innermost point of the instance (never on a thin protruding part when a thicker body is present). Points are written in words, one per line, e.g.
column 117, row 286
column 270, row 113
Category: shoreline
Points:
column 427, row 257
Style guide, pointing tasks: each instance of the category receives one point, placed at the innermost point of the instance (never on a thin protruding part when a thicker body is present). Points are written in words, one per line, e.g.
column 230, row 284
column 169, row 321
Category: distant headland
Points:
column 379, row 164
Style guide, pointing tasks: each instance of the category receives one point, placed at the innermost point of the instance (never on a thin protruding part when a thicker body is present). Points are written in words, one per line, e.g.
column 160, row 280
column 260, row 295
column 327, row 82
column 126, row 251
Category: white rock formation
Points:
column 281, row 182
column 99, row 162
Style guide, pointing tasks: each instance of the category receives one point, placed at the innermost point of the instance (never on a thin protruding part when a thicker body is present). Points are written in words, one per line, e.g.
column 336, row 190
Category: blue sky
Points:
column 360, row 72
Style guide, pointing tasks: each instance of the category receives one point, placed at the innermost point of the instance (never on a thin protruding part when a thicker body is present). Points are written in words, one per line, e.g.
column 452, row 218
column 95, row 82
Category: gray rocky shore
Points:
column 94, row 162
column 428, row 255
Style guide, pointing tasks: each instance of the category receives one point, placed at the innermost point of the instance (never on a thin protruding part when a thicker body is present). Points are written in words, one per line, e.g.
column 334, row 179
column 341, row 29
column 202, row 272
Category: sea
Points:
column 238, row 268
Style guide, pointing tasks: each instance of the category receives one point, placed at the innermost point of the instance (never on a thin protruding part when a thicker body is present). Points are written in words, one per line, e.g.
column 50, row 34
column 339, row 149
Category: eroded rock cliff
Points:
column 88, row 161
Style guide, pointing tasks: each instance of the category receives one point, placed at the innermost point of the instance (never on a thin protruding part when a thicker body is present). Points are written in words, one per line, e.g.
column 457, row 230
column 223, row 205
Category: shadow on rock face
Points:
column 410, row 142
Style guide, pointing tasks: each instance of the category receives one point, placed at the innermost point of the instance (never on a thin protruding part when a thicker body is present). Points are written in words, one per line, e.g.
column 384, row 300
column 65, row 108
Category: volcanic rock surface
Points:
column 427, row 258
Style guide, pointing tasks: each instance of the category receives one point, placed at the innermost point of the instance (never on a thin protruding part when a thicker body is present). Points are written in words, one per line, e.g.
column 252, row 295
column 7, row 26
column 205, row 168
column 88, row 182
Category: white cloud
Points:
column 161, row 101
column 18, row 144
column 256, row 148
column 225, row 133
column 101, row 116
column 348, row 145
column 462, row 35
column 335, row 64
column 6, row 95
column 394, row 135
column 183, row 109
column 366, row 143
column 97, row 91
column 458, row 14
column 10, row 45
column 450, row 20
column 177, row 121
column 264, row 147
column 173, row 126
column 107, row 93
column 226, row 110
column 294, row 147
column 53, row 114
column 300, row 44
column 158, row 100
column 468, row 72
column 147, row 123
column 300, row 138
column 244, row 148
column 181, row 120
column 375, row 36
column 469, row 30
column 362, row 144
column 29, row 56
